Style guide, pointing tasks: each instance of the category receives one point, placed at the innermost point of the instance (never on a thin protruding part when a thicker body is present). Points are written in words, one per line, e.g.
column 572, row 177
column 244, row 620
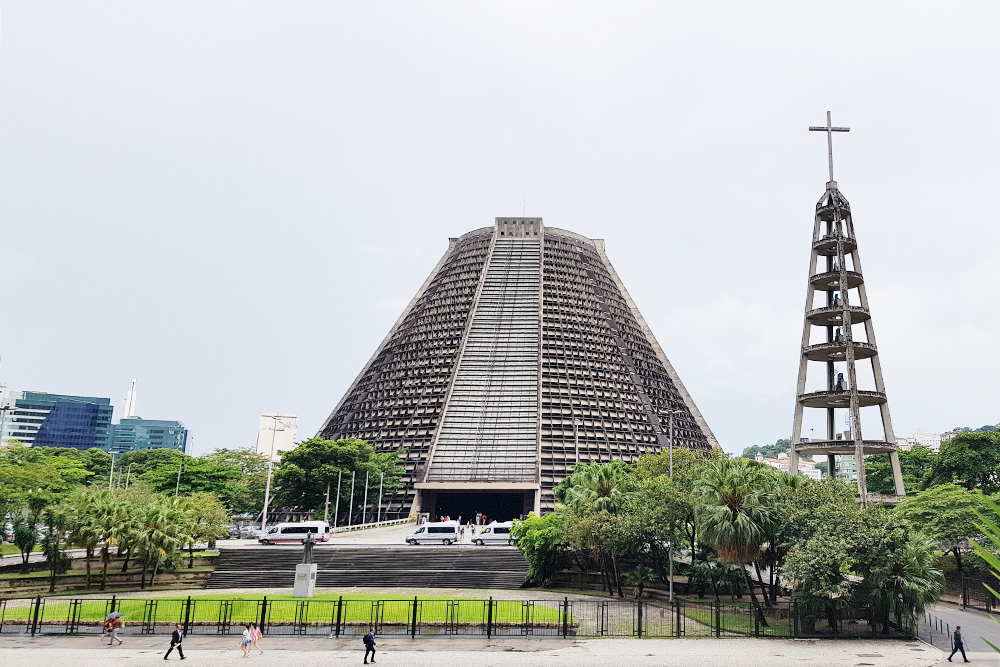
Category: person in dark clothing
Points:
column 175, row 642
column 370, row 645
column 959, row 646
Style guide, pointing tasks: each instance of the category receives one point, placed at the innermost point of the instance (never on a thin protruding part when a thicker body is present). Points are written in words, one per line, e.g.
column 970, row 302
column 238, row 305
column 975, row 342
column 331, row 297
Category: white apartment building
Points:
column 931, row 441
column 278, row 432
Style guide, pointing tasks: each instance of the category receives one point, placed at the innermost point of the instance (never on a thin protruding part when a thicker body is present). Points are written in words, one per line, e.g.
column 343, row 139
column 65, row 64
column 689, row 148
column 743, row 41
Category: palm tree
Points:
column 906, row 583
column 992, row 532
column 83, row 523
column 109, row 516
column 600, row 487
column 736, row 500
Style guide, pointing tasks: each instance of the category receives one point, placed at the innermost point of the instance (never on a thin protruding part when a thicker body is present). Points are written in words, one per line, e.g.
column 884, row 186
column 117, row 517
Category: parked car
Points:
column 249, row 533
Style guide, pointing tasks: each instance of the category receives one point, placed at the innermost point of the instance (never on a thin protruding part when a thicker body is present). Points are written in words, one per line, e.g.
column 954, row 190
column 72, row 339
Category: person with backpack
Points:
column 175, row 642
column 959, row 644
column 370, row 645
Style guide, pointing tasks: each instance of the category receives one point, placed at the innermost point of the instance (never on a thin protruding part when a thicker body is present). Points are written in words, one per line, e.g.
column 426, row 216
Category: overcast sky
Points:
column 233, row 201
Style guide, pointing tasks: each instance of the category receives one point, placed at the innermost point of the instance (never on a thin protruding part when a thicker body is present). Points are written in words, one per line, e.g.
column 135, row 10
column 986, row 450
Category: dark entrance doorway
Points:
column 496, row 506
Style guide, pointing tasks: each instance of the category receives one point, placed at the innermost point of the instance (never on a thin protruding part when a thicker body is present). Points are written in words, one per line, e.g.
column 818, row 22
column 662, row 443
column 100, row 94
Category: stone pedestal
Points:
column 305, row 580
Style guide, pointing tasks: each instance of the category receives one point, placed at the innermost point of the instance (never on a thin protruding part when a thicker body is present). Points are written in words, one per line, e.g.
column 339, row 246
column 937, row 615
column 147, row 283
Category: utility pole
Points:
column 378, row 520
column 270, row 470
column 350, row 507
column 111, row 475
column 326, row 506
column 180, row 469
column 364, row 503
column 128, row 474
column 336, row 506
column 671, row 413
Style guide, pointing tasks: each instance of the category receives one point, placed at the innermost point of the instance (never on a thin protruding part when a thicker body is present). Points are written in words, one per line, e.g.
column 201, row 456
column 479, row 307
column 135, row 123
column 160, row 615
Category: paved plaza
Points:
column 289, row 652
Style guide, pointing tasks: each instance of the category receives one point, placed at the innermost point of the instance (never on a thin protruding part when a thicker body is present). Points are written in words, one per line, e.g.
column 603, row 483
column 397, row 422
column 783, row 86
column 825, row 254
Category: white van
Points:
column 289, row 533
column 445, row 532
column 495, row 533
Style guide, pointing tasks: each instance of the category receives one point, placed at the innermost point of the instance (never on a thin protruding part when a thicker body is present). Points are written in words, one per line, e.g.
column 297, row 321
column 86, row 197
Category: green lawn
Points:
column 357, row 608
column 7, row 549
column 738, row 621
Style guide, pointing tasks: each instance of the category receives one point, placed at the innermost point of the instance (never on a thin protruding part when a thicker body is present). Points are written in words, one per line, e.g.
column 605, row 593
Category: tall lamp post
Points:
column 671, row 414
column 270, row 470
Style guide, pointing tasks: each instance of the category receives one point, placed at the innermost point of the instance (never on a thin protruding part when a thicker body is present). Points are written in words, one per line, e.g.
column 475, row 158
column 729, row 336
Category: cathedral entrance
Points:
column 466, row 504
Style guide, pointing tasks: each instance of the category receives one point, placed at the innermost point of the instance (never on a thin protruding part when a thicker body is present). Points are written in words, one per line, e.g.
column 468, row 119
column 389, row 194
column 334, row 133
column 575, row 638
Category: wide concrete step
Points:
column 427, row 567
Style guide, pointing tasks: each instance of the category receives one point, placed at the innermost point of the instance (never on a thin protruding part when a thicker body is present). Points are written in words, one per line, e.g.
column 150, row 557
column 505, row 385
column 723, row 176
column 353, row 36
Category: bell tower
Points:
column 837, row 333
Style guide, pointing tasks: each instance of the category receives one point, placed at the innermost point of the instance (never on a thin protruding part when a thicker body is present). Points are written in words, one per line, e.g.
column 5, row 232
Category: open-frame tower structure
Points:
column 837, row 308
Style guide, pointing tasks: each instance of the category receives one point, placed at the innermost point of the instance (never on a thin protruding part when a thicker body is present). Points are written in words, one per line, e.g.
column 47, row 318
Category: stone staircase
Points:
column 374, row 566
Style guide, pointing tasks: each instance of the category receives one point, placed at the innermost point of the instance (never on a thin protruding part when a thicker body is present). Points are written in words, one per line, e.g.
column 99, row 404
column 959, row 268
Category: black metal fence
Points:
column 415, row 617
column 976, row 595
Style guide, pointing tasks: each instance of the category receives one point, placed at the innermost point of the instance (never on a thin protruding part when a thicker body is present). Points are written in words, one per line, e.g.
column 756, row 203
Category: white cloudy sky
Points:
column 232, row 201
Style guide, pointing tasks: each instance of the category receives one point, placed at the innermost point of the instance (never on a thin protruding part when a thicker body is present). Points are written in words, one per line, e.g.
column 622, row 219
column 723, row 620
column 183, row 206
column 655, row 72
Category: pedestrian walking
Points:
column 370, row 645
column 255, row 635
column 117, row 624
column 108, row 627
column 175, row 643
column 245, row 641
column 959, row 645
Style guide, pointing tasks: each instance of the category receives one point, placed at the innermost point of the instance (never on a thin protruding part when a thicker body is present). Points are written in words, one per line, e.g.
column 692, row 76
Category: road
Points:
column 975, row 626
column 289, row 652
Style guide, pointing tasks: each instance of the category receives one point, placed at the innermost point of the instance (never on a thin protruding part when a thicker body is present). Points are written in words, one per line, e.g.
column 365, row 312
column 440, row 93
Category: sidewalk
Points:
column 288, row 652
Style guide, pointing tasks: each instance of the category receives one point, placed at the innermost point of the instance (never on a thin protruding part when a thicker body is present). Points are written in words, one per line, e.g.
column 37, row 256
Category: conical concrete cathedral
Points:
column 521, row 354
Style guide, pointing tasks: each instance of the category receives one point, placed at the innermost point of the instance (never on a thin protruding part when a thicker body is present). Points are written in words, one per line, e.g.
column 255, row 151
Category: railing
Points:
column 414, row 617
column 371, row 524
column 935, row 632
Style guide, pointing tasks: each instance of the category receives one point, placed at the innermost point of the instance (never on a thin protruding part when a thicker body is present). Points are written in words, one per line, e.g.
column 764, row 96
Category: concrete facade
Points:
column 520, row 355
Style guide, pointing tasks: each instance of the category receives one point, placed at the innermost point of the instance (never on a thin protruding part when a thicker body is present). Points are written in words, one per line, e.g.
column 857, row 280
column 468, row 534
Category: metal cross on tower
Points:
column 829, row 129
column 839, row 285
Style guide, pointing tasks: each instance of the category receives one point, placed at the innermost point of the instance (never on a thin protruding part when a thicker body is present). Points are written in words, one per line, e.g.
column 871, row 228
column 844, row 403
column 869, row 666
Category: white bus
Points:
column 289, row 533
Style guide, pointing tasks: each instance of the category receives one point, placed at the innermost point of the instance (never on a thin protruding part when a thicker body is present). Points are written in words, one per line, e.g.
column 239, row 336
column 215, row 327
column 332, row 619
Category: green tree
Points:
column 56, row 560
column 207, row 520
column 988, row 526
column 780, row 446
column 25, row 537
column 736, row 512
column 247, row 496
column 942, row 513
column 915, row 464
column 82, row 522
column 306, row 472
column 542, row 541
column 971, row 460
column 200, row 475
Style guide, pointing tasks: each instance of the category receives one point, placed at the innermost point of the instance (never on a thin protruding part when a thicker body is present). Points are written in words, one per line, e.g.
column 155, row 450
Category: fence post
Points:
column 756, row 620
column 793, row 609
column 565, row 617
column 113, row 601
column 718, row 618
column 340, row 605
column 677, row 617
column 263, row 615
column 34, row 621
column 187, row 616
column 489, row 619
column 413, row 628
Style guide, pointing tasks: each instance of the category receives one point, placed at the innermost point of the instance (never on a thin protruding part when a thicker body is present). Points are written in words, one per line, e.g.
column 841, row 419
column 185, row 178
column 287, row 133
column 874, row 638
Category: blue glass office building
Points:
column 39, row 419
column 133, row 433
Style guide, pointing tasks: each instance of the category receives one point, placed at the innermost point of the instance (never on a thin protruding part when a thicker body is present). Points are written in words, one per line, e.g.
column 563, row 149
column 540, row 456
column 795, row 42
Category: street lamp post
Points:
column 180, row 469
column 671, row 413
column 128, row 474
column 350, row 507
column 111, row 475
column 364, row 503
column 378, row 519
column 270, row 470
column 336, row 505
